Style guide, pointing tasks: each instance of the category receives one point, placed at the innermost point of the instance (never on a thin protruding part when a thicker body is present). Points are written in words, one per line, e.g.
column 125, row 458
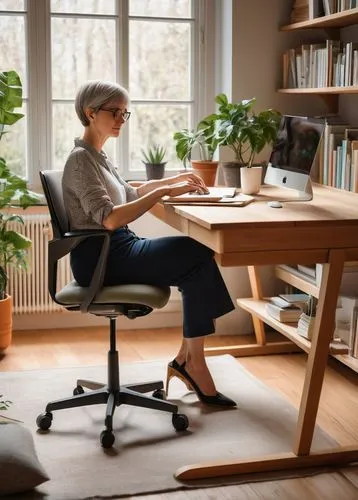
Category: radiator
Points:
column 29, row 289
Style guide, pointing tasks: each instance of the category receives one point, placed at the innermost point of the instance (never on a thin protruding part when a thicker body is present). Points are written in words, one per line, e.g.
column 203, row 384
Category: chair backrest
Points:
column 51, row 181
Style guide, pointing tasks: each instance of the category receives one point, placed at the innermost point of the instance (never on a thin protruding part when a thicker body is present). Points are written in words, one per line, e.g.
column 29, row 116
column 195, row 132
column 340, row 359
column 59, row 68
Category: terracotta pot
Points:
column 206, row 170
column 251, row 179
column 5, row 322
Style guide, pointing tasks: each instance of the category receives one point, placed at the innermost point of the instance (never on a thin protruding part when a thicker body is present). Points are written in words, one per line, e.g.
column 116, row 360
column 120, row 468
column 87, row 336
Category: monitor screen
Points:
column 296, row 144
column 294, row 151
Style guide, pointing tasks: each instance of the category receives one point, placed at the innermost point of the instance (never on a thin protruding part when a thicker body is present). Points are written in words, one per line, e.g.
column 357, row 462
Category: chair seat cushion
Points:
column 148, row 295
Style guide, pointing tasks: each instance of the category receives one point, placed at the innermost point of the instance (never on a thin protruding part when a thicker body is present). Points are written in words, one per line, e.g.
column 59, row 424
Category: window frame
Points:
column 38, row 42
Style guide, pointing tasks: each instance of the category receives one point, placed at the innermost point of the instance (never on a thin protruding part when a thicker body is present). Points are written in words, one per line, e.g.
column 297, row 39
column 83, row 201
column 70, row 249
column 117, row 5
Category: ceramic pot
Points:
column 155, row 170
column 231, row 172
column 5, row 322
column 206, row 170
column 251, row 179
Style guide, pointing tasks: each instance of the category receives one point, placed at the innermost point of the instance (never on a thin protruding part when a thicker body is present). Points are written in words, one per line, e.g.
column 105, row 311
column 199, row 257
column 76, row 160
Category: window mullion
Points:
column 122, row 72
column 39, row 75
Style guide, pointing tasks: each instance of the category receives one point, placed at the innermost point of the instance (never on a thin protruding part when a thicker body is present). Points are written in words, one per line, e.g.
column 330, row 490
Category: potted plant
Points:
column 245, row 133
column 203, row 139
column 154, row 161
column 13, row 190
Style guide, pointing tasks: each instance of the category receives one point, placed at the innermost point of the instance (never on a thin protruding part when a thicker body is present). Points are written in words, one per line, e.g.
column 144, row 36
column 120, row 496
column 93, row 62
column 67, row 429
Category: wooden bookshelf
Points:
column 331, row 22
column 321, row 90
column 289, row 330
column 338, row 20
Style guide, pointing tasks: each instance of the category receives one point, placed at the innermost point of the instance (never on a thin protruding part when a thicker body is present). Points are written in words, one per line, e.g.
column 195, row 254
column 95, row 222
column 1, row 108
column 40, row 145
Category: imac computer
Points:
column 293, row 155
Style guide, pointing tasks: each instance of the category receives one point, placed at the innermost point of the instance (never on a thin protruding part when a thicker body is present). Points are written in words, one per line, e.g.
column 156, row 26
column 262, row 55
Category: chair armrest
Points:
column 58, row 248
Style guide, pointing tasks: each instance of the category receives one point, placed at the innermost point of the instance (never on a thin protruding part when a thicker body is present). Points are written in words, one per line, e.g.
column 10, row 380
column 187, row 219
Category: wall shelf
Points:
column 338, row 20
column 321, row 90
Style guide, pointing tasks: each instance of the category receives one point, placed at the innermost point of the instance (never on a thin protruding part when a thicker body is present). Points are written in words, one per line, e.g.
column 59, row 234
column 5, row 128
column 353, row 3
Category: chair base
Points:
column 113, row 394
column 127, row 394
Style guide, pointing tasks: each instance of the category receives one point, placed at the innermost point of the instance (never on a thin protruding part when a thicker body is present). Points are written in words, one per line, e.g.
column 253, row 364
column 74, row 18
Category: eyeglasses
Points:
column 117, row 113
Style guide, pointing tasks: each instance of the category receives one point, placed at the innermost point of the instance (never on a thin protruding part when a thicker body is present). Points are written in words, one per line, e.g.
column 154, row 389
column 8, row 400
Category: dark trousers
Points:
column 169, row 261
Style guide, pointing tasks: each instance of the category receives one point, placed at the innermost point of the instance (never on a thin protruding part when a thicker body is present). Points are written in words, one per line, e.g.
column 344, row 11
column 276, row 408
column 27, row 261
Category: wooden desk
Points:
column 324, row 230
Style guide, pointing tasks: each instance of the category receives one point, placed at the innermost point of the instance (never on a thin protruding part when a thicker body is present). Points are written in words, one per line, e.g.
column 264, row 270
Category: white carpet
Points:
column 147, row 450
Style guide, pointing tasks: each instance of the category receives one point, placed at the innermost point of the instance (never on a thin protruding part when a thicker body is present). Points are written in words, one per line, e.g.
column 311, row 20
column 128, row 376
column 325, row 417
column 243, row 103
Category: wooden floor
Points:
column 338, row 413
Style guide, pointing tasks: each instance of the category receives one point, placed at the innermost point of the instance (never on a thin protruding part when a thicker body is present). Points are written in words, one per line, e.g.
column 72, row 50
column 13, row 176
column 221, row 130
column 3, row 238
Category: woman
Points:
column 96, row 196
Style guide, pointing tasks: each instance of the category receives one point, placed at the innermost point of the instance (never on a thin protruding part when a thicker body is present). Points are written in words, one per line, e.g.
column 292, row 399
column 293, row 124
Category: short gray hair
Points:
column 94, row 94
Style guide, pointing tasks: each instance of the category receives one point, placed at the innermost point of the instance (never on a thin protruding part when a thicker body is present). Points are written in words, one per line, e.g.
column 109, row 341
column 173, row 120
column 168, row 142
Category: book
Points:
column 285, row 315
column 305, row 326
column 297, row 299
column 310, row 270
column 346, row 314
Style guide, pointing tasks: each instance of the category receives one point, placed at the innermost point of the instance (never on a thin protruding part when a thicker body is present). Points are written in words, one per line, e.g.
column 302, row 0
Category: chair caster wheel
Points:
column 78, row 390
column 159, row 394
column 44, row 421
column 107, row 439
column 180, row 422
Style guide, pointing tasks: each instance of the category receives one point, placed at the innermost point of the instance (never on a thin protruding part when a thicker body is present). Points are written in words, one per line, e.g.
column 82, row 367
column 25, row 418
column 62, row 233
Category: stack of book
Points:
column 287, row 308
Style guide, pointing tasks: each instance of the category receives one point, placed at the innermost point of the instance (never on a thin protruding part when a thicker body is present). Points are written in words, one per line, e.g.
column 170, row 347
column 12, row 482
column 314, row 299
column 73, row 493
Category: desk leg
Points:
column 256, row 289
column 318, row 355
column 317, row 360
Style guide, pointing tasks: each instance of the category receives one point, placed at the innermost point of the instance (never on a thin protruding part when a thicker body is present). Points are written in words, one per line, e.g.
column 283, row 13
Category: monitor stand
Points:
column 307, row 194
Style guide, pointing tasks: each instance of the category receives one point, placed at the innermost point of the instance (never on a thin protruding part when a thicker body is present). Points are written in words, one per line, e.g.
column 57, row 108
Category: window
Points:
column 155, row 48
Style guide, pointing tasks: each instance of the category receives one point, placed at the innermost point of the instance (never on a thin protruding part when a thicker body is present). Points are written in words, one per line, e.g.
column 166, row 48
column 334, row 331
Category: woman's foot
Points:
column 213, row 398
column 202, row 377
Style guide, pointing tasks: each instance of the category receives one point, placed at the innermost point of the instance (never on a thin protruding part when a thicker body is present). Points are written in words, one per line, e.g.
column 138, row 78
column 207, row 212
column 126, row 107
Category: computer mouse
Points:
column 274, row 204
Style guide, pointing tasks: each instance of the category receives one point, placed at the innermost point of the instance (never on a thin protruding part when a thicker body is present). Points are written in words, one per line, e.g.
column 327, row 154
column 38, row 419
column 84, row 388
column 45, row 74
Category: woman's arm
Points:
column 149, row 186
column 128, row 212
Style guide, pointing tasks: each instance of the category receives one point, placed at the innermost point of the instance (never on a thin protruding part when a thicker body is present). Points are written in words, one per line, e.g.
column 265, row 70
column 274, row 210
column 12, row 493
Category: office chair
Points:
column 109, row 301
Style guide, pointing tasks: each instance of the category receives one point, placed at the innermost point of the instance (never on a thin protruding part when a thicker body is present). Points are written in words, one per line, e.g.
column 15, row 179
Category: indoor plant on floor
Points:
column 246, row 134
column 203, row 139
column 154, row 160
column 13, row 191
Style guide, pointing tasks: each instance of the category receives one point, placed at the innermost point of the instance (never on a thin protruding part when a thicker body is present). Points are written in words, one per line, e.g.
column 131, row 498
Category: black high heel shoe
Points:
column 177, row 370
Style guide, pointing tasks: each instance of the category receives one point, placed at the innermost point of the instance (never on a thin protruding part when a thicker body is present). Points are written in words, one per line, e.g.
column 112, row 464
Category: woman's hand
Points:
column 184, row 187
column 195, row 179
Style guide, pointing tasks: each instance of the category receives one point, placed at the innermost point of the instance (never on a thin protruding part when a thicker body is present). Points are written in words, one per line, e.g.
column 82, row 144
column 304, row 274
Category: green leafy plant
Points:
column 202, row 137
column 154, row 155
column 13, row 189
column 238, row 127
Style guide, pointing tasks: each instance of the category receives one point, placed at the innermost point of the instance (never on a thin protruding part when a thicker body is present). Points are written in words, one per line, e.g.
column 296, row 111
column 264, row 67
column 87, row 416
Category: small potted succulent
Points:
column 154, row 160
column 246, row 133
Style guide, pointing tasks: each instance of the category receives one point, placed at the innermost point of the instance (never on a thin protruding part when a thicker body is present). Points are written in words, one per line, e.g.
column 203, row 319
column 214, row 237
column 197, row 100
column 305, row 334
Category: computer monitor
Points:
column 293, row 154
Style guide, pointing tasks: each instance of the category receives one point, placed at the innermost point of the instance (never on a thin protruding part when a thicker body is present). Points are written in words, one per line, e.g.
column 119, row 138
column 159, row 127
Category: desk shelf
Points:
column 289, row 330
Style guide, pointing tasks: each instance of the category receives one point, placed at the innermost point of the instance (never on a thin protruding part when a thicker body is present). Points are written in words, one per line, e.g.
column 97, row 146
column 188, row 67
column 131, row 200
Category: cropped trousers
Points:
column 177, row 261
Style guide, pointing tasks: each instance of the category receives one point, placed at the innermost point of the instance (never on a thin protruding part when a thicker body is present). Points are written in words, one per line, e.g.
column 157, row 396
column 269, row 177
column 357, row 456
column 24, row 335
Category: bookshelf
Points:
column 332, row 24
column 333, row 21
column 256, row 307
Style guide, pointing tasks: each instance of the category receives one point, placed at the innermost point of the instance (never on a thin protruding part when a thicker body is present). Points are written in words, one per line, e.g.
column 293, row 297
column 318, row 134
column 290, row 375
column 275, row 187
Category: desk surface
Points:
column 328, row 206
column 245, row 235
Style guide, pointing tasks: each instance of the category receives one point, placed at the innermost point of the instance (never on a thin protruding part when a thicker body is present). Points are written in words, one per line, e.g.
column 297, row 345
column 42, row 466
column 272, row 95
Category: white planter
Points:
column 250, row 179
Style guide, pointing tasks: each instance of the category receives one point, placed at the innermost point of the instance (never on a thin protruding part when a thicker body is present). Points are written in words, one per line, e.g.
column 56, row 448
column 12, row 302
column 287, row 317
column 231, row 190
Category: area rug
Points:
column 147, row 451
